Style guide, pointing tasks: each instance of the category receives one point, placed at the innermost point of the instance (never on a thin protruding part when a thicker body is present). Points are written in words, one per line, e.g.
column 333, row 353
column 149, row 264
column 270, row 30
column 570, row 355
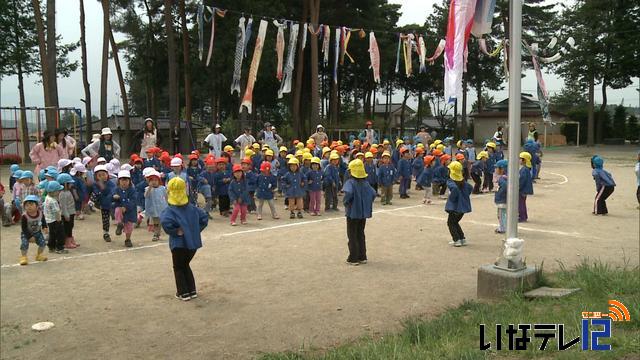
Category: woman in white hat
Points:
column 215, row 140
column 106, row 147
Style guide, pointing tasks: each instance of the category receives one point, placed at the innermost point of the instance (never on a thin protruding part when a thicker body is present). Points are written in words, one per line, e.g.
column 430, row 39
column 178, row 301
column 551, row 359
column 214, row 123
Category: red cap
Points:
column 221, row 160
column 368, row 123
column 209, row 161
column 246, row 161
column 179, row 156
column 193, row 157
column 133, row 157
column 436, row 152
column 265, row 166
column 428, row 159
column 444, row 158
column 138, row 160
column 459, row 156
column 237, row 167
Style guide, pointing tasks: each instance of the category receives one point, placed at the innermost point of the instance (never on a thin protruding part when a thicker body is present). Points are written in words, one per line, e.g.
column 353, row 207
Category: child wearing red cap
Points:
column 239, row 195
column 207, row 185
column 222, row 180
column 426, row 177
column 251, row 178
column 265, row 187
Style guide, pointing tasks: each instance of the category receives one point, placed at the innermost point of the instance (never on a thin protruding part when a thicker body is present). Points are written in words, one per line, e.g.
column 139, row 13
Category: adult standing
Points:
column 533, row 132
column 368, row 134
column 424, row 136
column 244, row 140
column 215, row 140
column 47, row 152
column 146, row 138
column 498, row 136
column 278, row 137
column 65, row 141
column 106, row 147
column 266, row 136
column 175, row 136
column 319, row 136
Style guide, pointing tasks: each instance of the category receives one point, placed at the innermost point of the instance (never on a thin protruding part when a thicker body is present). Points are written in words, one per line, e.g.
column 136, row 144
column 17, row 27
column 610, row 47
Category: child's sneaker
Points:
column 463, row 242
column 300, row 215
column 106, row 237
column 40, row 257
column 353, row 263
column 155, row 237
column 243, row 222
column 183, row 297
column 119, row 229
column 233, row 224
column 276, row 217
column 193, row 295
column 292, row 215
column 127, row 243
column 62, row 251
column 457, row 243
column 24, row 260
column 259, row 217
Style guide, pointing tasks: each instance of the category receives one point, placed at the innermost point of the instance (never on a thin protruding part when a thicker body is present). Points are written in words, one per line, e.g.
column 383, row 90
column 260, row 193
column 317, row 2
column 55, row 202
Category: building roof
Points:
column 529, row 107
column 382, row 109
column 136, row 122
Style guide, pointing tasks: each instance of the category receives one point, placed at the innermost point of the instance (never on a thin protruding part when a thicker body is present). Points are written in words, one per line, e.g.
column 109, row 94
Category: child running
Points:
column 604, row 186
column 33, row 227
column 183, row 222
column 458, row 203
column 124, row 199
column 103, row 195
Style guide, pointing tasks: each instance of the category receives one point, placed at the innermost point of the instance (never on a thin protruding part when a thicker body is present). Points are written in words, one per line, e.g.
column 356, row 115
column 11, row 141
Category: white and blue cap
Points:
column 33, row 198
column 64, row 178
column 26, row 175
column 53, row 186
column 17, row 174
column 14, row 168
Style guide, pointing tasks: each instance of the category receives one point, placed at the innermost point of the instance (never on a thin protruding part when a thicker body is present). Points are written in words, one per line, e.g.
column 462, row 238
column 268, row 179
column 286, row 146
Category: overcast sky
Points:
column 71, row 89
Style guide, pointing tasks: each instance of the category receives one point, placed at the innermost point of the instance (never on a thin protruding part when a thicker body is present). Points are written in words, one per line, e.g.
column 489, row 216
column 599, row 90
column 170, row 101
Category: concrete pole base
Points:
column 494, row 283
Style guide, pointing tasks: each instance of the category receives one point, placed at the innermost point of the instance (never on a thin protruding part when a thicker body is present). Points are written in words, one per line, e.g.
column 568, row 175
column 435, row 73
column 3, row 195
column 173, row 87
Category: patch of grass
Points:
column 455, row 333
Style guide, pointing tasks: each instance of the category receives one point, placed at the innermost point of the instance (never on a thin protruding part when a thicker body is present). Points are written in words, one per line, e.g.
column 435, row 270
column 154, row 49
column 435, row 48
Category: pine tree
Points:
column 619, row 121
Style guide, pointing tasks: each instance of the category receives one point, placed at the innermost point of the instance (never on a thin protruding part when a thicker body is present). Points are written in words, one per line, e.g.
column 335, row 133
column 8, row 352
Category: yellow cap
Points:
column 386, row 153
column 256, row 146
column 368, row 155
column 325, row 150
column 307, row 156
column 334, row 156
column 249, row 153
column 269, row 152
column 356, row 169
column 284, row 148
column 299, row 153
column 399, row 142
column 359, row 154
column 265, row 147
column 420, row 145
column 491, row 145
column 432, row 146
column 482, row 154
column 315, row 160
column 299, row 145
column 438, row 142
column 455, row 171
column 527, row 158
column 374, row 146
column 228, row 148
column 306, row 151
column 289, row 156
column 293, row 161
column 177, row 192
column 440, row 147
column 385, row 142
column 459, row 143
column 310, row 141
column 339, row 142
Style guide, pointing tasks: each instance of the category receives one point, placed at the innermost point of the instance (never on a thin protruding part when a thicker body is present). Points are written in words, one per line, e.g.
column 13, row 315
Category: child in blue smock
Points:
column 441, row 175
column 314, row 186
column 331, row 183
column 265, row 187
column 404, row 172
column 386, row 177
column 193, row 174
column 426, row 178
column 487, row 185
column 372, row 171
column 295, row 183
column 458, row 203
column 239, row 195
column 222, row 180
column 183, row 222
column 358, row 204
column 604, row 185
column 417, row 165
column 500, row 198
column 251, row 178
column 207, row 185
column 477, row 171
column 124, row 200
column 155, row 201
column 525, row 186
column 103, row 197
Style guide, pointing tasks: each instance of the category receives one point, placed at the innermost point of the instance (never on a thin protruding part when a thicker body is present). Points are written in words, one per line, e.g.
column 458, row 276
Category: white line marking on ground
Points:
column 299, row 223
column 564, row 181
column 555, row 232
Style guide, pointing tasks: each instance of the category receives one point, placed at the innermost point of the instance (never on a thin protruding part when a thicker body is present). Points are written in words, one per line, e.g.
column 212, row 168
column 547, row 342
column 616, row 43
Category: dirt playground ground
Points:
column 276, row 285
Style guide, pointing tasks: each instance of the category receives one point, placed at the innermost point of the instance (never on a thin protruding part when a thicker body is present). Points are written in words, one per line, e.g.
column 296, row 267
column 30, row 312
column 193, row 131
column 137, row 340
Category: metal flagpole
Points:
column 513, row 245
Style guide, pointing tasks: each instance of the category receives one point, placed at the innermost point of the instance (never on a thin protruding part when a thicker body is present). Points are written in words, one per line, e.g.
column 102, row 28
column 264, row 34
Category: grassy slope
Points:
column 455, row 333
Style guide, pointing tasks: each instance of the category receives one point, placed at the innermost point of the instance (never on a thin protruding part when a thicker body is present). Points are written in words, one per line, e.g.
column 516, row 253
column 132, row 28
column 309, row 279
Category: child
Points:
column 33, row 226
column 251, row 180
column 102, row 193
column 426, row 177
column 124, row 199
column 417, row 166
column 404, row 172
column 458, row 203
column 207, row 186
column 331, row 182
column 386, row 178
column 53, row 218
column 526, row 185
column 443, row 174
column 67, row 208
column 222, row 180
column 489, row 167
column 501, row 196
column 3, row 212
column 239, row 195
column 477, row 171
column 193, row 174
column 25, row 188
column 265, row 187
column 314, row 186
column 155, row 201
column 604, row 185
column 183, row 222
column 370, row 168
column 80, row 188
column 151, row 160
column 12, row 179
column 358, row 204
column 294, row 183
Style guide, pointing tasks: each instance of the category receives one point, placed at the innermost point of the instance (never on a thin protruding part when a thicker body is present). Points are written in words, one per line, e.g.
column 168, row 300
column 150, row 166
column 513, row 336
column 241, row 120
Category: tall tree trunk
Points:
column 402, row 112
column 187, row 67
column 590, row 119
column 334, row 103
column 297, row 92
column 601, row 114
column 85, row 76
column 106, row 30
column 419, row 114
column 171, row 51
column 479, row 103
column 51, row 60
column 123, row 90
column 149, row 79
column 315, row 95
column 463, row 124
column 42, row 45
column 23, row 113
